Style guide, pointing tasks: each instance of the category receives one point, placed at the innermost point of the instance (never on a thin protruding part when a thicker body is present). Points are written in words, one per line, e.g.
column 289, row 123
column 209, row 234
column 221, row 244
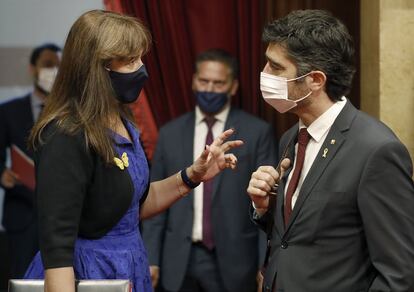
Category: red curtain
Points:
column 141, row 109
column 181, row 30
column 144, row 118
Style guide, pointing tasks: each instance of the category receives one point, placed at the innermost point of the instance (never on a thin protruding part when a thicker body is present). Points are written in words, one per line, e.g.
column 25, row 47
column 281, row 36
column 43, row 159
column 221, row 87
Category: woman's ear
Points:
column 316, row 80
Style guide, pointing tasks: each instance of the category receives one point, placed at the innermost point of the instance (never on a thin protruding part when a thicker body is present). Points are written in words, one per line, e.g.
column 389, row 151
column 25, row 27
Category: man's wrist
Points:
column 259, row 211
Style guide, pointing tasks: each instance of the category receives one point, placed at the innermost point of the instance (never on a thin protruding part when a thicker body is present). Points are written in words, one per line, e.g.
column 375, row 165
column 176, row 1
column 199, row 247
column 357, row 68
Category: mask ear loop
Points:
column 307, row 95
column 302, row 98
column 106, row 65
column 293, row 79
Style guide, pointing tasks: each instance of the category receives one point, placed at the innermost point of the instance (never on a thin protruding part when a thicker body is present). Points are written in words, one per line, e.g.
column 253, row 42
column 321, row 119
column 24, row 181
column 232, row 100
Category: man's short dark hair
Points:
column 38, row 50
column 222, row 56
column 316, row 40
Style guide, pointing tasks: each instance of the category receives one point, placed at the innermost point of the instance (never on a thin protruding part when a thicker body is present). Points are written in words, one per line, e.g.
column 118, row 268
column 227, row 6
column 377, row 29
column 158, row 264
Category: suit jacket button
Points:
column 284, row 244
column 267, row 289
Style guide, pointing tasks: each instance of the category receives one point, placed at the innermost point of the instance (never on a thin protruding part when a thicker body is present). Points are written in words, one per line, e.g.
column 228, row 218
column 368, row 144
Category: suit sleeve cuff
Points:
column 258, row 212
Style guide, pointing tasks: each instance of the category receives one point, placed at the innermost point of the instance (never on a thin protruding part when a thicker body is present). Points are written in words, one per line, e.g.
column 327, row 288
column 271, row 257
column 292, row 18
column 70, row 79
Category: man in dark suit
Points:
column 216, row 248
column 343, row 214
column 17, row 117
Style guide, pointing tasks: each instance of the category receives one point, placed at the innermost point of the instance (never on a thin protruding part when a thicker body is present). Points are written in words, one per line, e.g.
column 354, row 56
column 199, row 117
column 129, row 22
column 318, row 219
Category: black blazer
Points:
column 352, row 227
column 78, row 195
column 239, row 243
column 16, row 121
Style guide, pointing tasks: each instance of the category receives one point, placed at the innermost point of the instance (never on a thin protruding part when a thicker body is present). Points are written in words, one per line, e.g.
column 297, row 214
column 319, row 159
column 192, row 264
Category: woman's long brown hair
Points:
column 82, row 98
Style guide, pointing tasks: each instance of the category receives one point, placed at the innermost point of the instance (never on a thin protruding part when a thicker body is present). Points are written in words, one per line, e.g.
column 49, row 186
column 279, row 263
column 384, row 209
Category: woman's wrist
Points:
column 183, row 190
column 189, row 178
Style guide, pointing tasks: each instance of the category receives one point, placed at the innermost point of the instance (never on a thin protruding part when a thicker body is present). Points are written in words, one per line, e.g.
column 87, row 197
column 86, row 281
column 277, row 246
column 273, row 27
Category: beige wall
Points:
column 387, row 65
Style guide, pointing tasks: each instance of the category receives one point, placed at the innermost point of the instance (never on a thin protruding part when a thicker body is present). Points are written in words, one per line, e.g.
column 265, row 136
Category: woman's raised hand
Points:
column 214, row 158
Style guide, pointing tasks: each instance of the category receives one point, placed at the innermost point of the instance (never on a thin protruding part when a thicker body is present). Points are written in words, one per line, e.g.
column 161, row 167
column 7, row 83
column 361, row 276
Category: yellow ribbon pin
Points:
column 325, row 151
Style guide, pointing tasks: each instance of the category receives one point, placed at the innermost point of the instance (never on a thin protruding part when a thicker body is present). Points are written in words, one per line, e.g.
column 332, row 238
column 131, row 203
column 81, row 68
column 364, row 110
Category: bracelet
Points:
column 177, row 180
column 188, row 182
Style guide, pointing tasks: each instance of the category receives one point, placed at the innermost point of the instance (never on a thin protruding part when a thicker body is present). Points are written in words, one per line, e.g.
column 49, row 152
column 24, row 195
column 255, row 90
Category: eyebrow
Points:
column 211, row 80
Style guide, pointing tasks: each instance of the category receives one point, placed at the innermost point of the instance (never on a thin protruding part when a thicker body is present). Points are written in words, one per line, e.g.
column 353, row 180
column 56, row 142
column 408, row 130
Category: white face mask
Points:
column 46, row 78
column 275, row 91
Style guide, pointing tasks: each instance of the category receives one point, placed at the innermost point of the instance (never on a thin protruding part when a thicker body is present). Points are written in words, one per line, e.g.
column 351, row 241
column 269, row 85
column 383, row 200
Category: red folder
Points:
column 23, row 166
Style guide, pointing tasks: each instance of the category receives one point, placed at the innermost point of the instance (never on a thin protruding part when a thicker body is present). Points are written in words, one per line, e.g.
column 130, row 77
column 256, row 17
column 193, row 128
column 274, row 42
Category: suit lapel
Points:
column 279, row 205
column 28, row 112
column 27, row 119
column 280, row 225
column 231, row 122
column 329, row 149
column 318, row 166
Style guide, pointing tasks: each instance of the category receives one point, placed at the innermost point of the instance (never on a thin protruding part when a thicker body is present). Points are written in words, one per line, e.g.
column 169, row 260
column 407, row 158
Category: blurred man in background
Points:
column 17, row 117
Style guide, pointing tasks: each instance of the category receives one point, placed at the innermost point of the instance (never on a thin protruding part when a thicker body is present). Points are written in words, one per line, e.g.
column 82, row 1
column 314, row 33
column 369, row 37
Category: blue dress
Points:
column 120, row 254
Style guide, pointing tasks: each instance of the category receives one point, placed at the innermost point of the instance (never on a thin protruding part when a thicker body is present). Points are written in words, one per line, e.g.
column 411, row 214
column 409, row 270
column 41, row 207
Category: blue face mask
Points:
column 127, row 86
column 211, row 102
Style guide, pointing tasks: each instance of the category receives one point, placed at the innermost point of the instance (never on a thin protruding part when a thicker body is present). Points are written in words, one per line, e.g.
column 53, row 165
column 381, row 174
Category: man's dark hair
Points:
column 316, row 40
column 38, row 50
column 219, row 55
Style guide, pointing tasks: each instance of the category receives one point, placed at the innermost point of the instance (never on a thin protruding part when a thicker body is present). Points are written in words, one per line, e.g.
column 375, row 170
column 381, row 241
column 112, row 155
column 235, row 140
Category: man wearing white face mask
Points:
column 339, row 211
column 17, row 117
column 275, row 91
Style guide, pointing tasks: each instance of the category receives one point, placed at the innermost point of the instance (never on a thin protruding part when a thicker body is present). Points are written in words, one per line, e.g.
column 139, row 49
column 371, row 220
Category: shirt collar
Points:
column 221, row 116
column 324, row 122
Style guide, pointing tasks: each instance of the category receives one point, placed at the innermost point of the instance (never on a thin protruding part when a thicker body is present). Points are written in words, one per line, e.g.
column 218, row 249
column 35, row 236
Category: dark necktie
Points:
column 303, row 140
column 207, row 192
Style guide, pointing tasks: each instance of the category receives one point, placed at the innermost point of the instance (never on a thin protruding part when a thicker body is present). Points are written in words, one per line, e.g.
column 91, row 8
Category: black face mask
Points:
column 127, row 86
column 211, row 102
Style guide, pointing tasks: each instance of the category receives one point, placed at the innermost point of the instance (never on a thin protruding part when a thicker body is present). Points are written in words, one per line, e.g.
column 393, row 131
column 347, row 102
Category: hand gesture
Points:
column 214, row 158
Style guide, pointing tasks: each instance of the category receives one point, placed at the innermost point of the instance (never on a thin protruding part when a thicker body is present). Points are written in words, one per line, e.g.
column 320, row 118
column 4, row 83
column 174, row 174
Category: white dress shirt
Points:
column 318, row 131
column 200, row 134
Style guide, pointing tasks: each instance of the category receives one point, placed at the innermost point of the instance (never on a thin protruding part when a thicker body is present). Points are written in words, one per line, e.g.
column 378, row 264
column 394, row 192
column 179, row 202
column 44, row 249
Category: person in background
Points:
column 207, row 241
column 17, row 117
column 92, row 175
column 343, row 215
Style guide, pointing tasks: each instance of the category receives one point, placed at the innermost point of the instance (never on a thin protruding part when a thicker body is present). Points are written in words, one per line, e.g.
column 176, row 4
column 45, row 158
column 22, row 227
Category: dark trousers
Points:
column 203, row 274
column 23, row 246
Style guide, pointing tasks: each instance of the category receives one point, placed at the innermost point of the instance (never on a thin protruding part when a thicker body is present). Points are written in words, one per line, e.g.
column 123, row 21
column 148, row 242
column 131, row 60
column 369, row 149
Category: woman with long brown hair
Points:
column 92, row 175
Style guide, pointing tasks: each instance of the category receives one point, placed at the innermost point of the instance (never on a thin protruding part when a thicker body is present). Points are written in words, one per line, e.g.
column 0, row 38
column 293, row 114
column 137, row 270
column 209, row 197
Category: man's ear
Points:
column 234, row 87
column 316, row 80
column 193, row 82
